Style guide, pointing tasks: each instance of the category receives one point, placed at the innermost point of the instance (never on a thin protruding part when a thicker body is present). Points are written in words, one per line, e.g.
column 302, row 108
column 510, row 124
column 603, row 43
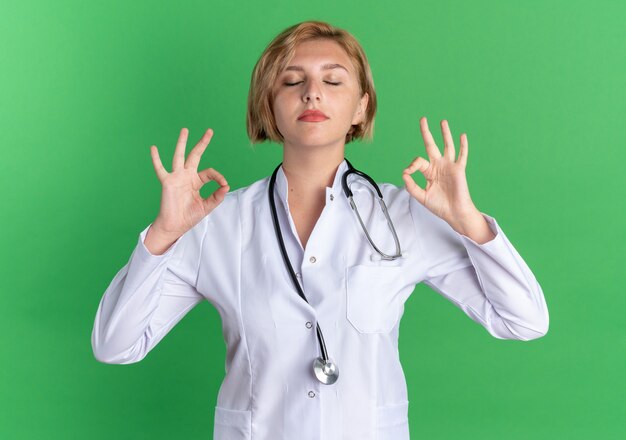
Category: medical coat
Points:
column 231, row 258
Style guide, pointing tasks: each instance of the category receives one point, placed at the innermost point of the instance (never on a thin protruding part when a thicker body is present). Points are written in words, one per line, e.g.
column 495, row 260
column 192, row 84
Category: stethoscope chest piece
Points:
column 326, row 372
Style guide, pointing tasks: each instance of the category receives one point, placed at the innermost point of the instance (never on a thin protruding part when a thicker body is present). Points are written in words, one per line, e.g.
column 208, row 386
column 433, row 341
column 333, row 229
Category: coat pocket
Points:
column 392, row 421
column 231, row 424
column 372, row 304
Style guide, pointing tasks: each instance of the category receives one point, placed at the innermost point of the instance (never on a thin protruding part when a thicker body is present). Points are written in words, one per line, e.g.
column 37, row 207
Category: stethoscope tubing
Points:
column 283, row 252
column 383, row 206
column 327, row 371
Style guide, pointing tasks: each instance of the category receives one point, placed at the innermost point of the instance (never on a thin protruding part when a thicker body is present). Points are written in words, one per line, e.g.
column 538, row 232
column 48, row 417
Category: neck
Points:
column 313, row 170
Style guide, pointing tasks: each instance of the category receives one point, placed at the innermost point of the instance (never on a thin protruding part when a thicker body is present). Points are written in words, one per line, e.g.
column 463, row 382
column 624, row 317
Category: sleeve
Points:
column 147, row 298
column 490, row 282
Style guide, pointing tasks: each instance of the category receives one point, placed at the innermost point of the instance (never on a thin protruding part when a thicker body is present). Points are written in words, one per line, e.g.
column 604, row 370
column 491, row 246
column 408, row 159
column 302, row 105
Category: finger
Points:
column 216, row 198
column 209, row 174
column 464, row 151
column 413, row 188
column 179, row 153
column 448, row 149
column 431, row 148
column 193, row 159
column 194, row 156
column 419, row 164
column 161, row 172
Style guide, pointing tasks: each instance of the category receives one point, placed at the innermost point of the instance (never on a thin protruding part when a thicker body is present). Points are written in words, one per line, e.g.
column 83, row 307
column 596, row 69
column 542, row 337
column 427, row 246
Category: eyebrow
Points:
column 324, row 67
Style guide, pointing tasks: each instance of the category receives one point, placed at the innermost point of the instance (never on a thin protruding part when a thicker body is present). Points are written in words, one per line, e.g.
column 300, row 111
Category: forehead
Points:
column 316, row 55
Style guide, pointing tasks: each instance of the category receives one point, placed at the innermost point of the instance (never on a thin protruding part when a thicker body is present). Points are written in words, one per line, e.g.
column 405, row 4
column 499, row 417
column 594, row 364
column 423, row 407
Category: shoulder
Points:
column 395, row 196
column 238, row 200
column 392, row 190
column 399, row 198
column 253, row 193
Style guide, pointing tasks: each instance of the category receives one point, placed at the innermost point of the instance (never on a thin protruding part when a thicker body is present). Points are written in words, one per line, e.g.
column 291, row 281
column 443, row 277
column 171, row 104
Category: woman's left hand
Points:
column 446, row 194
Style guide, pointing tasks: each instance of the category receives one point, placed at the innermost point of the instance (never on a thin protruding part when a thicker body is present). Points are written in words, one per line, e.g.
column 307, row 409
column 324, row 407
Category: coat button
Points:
column 312, row 260
column 332, row 197
column 311, row 394
column 309, row 324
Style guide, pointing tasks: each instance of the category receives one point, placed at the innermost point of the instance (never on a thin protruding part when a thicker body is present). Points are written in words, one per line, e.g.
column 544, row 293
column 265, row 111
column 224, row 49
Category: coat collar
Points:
column 281, row 183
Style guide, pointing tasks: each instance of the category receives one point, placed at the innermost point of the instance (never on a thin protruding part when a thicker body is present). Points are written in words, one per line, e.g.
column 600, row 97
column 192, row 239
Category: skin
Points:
column 312, row 152
column 447, row 194
column 182, row 206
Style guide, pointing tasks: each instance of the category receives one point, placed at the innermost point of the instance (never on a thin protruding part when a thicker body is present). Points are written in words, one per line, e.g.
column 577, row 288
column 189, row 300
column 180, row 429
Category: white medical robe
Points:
column 232, row 259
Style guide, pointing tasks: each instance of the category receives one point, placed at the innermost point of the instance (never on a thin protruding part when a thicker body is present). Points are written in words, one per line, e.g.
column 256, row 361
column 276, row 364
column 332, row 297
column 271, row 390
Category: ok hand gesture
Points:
column 446, row 193
column 182, row 207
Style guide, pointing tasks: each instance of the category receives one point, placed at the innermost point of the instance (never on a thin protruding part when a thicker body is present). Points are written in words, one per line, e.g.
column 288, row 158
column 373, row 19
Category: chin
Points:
column 313, row 142
column 315, row 138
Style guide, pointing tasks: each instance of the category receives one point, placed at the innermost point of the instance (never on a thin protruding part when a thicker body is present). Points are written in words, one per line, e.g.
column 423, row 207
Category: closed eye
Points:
column 327, row 82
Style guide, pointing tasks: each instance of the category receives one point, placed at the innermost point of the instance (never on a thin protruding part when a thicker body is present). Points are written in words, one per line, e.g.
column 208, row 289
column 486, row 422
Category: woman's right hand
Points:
column 182, row 207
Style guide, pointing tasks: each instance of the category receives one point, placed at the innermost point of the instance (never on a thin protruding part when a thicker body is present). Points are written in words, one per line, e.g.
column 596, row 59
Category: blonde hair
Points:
column 260, row 121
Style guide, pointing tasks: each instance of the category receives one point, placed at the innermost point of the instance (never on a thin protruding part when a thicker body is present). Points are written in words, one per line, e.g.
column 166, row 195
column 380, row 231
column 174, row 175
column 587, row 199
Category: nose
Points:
column 312, row 91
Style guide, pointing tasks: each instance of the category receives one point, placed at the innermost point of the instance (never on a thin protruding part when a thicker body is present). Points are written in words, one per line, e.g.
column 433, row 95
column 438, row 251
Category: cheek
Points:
column 349, row 106
column 283, row 107
column 279, row 117
column 276, row 106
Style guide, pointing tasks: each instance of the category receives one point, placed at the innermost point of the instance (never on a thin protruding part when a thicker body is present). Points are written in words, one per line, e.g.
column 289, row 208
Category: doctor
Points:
column 295, row 271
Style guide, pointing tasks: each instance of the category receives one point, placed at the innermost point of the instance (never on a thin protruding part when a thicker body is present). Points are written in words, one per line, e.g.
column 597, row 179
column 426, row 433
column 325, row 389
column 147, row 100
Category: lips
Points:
column 312, row 116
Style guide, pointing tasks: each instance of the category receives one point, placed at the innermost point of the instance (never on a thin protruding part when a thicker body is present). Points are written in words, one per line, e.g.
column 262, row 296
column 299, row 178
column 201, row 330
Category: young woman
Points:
column 307, row 268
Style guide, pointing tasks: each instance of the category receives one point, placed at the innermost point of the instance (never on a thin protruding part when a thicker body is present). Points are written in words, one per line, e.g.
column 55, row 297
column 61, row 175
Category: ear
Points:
column 359, row 115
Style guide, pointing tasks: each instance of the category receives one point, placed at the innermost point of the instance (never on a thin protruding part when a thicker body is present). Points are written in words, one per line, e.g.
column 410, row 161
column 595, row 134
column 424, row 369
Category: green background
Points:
column 85, row 89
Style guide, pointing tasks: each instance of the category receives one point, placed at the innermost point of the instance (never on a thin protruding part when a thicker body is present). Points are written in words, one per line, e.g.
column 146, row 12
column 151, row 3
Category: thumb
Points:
column 211, row 202
column 413, row 188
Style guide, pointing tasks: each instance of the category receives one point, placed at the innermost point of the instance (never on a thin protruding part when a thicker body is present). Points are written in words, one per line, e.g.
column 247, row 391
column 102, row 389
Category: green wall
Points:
column 85, row 89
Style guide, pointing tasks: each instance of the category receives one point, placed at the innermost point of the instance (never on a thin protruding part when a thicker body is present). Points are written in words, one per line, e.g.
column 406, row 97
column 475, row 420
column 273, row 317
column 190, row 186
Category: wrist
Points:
column 158, row 229
column 463, row 219
column 473, row 225
column 157, row 242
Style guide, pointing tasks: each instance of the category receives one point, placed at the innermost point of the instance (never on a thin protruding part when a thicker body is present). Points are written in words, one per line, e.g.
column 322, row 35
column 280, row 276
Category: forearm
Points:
column 474, row 226
column 143, row 301
column 157, row 242
column 497, row 289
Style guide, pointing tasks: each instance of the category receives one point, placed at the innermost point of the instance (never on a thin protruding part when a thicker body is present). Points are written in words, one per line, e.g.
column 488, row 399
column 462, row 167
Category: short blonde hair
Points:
column 260, row 121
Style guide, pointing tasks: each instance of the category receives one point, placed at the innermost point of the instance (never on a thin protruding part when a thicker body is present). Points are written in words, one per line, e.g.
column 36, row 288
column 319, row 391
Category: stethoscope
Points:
column 324, row 368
